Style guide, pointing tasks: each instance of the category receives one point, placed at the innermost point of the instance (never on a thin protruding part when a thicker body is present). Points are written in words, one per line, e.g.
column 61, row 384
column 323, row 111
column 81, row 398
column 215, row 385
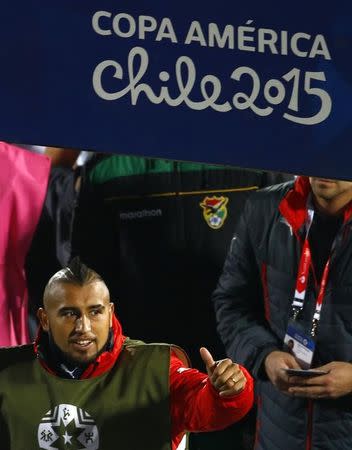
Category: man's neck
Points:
column 334, row 206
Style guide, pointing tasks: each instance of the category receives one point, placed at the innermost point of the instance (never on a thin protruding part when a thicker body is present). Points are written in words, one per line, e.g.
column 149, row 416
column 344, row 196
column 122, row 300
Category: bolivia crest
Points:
column 214, row 211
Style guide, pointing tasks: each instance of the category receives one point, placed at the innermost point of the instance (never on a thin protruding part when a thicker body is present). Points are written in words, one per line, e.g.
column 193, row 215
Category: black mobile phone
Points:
column 305, row 373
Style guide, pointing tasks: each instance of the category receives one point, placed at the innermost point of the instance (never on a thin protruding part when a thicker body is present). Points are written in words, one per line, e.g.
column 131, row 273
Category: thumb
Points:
column 326, row 367
column 290, row 362
column 207, row 359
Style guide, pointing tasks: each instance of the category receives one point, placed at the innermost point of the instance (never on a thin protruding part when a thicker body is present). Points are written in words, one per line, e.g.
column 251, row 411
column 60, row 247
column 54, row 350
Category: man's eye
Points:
column 68, row 314
column 95, row 312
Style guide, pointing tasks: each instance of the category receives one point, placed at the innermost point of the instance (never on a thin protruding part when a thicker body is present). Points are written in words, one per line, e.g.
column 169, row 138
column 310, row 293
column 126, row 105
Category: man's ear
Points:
column 43, row 319
column 111, row 305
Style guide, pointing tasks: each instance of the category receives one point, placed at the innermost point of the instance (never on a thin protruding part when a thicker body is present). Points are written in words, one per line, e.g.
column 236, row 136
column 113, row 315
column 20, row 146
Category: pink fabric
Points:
column 23, row 183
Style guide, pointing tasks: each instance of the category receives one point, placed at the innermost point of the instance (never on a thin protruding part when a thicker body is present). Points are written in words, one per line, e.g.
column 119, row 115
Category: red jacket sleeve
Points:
column 197, row 406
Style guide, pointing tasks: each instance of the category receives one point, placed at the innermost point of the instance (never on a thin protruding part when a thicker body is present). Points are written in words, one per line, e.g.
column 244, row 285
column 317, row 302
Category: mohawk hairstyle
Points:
column 76, row 273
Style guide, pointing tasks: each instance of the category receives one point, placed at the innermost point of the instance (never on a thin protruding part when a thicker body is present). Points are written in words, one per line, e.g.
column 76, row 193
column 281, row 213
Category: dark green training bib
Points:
column 127, row 408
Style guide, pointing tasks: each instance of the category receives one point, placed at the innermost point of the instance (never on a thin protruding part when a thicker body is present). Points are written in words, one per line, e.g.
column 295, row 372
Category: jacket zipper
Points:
column 257, row 424
column 309, row 425
column 265, row 292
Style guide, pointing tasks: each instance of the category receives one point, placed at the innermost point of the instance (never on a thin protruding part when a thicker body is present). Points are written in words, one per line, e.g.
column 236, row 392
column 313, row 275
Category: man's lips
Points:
column 82, row 343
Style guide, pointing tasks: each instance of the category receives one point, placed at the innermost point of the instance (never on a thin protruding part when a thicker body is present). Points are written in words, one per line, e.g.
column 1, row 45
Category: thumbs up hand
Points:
column 225, row 375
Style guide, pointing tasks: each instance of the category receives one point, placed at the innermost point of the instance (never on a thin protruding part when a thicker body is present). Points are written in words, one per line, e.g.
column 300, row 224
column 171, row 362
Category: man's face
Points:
column 79, row 319
column 327, row 189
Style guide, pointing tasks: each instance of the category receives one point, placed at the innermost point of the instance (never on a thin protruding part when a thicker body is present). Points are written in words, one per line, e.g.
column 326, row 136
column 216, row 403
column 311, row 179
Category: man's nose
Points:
column 83, row 324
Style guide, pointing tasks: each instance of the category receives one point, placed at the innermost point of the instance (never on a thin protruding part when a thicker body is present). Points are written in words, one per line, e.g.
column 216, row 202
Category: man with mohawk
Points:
column 84, row 385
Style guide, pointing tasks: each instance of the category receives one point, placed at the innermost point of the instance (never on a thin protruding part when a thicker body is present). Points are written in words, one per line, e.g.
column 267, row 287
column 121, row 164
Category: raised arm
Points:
column 201, row 402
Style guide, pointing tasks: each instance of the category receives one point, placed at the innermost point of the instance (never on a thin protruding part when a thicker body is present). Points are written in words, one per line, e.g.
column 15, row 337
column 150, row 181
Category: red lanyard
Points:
column 303, row 275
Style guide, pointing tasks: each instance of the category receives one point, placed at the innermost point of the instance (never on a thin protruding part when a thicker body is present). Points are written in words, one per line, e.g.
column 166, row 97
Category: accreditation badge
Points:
column 300, row 344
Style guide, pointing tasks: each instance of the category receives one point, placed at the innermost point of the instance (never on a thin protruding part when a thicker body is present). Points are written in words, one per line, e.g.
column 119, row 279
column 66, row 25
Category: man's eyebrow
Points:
column 99, row 306
column 68, row 308
column 77, row 310
column 73, row 308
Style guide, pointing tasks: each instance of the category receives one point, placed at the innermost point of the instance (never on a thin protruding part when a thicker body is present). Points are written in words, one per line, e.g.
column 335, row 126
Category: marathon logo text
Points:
column 141, row 214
